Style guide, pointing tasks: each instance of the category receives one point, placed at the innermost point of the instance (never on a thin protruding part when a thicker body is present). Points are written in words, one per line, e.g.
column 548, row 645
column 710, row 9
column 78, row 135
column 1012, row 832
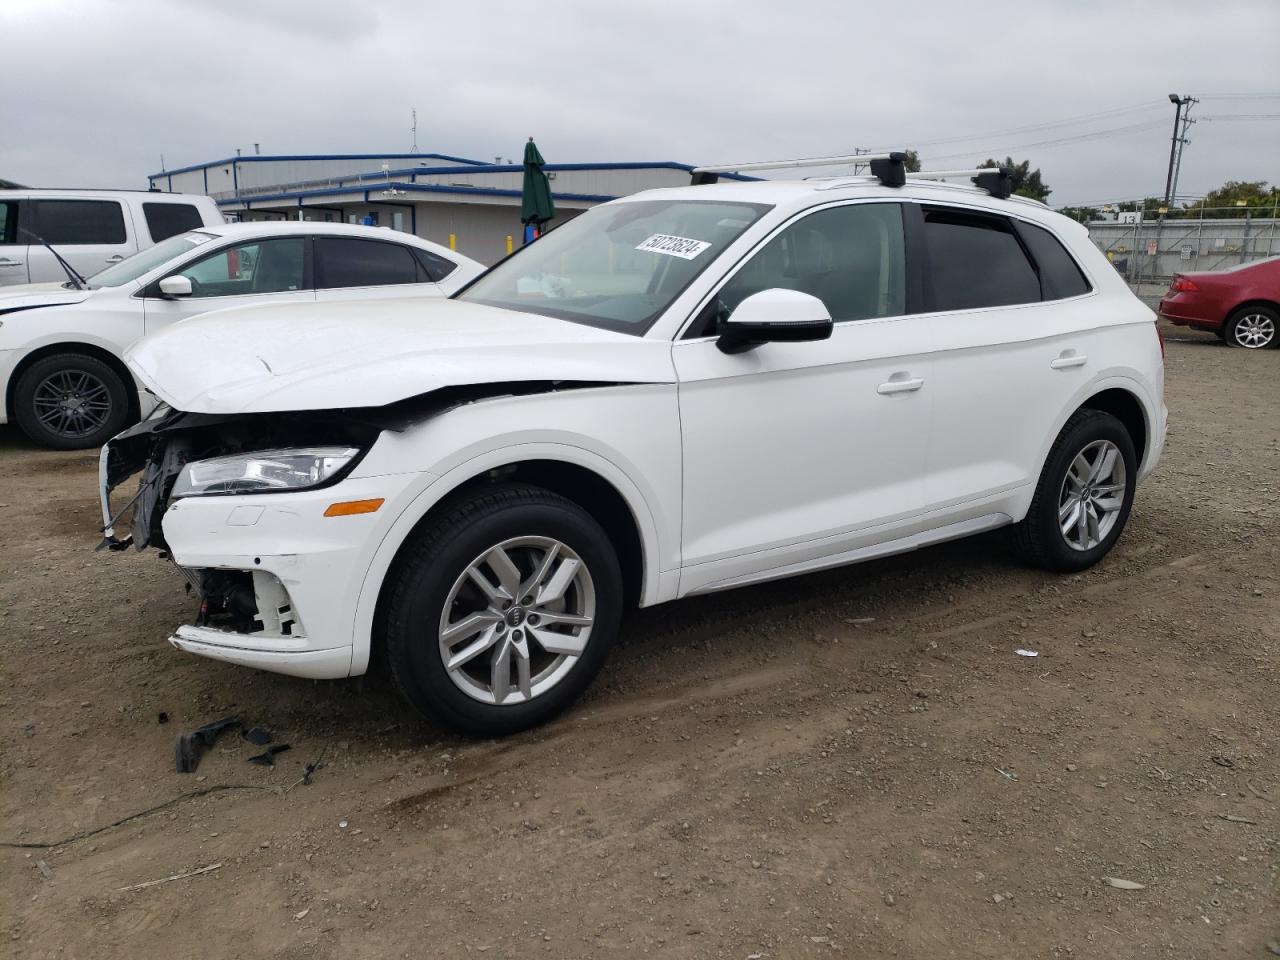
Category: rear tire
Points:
column 71, row 401
column 1083, row 497
column 1253, row 328
column 501, row 610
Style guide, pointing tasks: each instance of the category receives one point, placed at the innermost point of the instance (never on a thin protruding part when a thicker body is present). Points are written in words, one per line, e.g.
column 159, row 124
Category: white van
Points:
column 90, row 229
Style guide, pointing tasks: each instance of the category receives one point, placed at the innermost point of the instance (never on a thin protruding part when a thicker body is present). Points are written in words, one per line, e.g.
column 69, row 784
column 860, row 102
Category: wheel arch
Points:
column 593, row 483
column 74, row 346
column 1126, row 407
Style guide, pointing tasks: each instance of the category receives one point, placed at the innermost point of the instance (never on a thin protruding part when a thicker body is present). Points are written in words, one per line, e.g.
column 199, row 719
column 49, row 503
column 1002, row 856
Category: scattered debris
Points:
column 44, row 869
column 309, row 769
column 301, row 913
column 258, row 736
column 1274, row 947
column 858, row 620
column 1254, row 790
column 268, row 757
column 191, row 746
column 176, row 876
column 1120, row 884
column 1026, row 653
column 1005, row 773
column 1223, row 761
column 162, row 717
column 1232, row 818
column 997, row 898
column 342, row 824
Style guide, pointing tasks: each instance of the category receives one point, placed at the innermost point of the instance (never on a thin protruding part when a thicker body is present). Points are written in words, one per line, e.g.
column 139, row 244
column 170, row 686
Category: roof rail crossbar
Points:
column 997, row 181
column 711, row 174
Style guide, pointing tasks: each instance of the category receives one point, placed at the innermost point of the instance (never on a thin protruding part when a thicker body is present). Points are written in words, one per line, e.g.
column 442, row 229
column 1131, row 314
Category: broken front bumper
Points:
column 307, row 571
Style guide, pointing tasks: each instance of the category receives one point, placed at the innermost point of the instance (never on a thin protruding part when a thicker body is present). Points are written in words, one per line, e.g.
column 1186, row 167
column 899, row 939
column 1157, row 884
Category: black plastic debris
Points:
column 258, row 736
column 268, row 757
column 162, row 717
column 191, row 746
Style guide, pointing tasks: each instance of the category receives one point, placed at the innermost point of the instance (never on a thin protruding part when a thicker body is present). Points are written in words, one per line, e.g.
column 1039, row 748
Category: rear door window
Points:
column 71, row 222
column 435, row 266
column 350, row 262
column 165, row 220
column 975, row 261
column 1060, row 275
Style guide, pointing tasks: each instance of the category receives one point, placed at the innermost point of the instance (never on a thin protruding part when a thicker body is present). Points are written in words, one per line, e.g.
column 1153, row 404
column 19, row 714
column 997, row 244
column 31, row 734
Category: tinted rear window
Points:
column 72, row 222
column 1060, row 276
column 976, row 261
column 347, row 262
column 165, row 220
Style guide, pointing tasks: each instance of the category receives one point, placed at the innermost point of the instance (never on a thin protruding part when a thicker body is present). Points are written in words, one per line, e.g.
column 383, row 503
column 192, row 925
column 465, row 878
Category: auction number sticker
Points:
column 681, row 247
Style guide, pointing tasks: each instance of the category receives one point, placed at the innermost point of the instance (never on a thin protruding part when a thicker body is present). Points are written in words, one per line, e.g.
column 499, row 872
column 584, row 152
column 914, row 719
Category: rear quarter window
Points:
column 1060, row 275
column 72, row 222
column 165, row 220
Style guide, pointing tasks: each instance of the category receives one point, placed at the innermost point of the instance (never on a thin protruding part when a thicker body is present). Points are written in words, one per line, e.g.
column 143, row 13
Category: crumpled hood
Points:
column 27, row 296
column 323, row 356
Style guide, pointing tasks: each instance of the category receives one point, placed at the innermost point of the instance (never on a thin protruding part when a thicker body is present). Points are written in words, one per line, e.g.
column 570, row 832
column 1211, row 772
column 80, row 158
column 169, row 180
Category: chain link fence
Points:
column 1149, row 252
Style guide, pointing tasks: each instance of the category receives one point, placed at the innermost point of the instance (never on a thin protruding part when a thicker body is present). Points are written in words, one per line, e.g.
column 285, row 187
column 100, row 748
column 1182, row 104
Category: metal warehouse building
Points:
column 468, row 204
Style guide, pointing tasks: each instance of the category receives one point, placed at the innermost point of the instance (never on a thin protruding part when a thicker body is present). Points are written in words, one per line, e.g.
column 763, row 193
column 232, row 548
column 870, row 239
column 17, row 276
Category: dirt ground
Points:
column 849, row 764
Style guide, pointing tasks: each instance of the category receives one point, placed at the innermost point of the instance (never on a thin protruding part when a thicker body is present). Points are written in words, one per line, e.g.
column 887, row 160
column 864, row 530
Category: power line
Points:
column 1059, row 141
column 1028, row 128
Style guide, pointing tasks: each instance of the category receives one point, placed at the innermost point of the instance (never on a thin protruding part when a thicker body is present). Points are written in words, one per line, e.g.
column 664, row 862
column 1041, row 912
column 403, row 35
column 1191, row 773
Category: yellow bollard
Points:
column 453, row 241
column 508, row 244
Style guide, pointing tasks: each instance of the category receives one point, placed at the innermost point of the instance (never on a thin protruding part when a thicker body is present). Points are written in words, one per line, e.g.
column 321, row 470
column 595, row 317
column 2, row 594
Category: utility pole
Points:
column 1178, row 103
column 1182, row 142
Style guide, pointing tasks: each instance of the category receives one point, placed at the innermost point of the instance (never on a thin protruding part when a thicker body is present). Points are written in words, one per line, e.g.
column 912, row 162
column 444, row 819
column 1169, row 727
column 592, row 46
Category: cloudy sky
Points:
column 98, row 90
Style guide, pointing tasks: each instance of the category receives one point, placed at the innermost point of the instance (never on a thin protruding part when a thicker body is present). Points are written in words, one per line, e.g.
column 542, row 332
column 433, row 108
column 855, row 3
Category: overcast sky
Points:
column 97, row 90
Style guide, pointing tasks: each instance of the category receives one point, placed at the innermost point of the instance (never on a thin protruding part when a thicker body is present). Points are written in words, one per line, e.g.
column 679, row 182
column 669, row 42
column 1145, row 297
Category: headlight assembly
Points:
column 263, row 471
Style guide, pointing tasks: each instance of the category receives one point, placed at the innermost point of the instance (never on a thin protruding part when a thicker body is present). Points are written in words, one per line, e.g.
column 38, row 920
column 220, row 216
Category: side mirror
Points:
column 775, row 315
column 175, row 287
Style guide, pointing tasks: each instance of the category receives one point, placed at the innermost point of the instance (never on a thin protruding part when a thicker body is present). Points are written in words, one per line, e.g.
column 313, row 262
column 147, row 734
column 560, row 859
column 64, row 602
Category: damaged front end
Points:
column 162, row 447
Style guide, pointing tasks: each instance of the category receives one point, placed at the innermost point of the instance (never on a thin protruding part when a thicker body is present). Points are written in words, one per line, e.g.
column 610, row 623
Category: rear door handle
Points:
column 903, row 385
column 116, row 259
column 1069, row 359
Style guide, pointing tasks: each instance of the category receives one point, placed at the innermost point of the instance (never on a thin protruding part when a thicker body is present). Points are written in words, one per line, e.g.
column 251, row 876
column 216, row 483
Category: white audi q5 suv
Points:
column 682, row 391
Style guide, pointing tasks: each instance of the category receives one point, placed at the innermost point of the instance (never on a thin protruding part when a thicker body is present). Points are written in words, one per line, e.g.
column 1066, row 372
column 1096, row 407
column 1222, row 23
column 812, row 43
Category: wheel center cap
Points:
column 515, row 616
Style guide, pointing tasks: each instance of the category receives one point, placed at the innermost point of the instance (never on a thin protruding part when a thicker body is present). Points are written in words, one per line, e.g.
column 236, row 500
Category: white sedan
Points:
column 62, row 377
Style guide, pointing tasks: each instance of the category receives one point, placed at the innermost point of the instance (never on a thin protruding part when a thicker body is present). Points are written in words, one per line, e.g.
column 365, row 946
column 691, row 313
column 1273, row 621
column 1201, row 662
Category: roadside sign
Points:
column 1186, row 251
column 1151, row 248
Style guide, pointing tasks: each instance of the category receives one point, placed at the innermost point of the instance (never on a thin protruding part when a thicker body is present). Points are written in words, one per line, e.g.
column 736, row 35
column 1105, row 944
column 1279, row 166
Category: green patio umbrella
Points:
column 536, row 206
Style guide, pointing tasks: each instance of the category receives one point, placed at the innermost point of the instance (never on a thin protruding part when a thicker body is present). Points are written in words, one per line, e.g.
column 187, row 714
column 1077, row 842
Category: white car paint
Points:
column 894, row 433
column 24, row 260
column 35, row 319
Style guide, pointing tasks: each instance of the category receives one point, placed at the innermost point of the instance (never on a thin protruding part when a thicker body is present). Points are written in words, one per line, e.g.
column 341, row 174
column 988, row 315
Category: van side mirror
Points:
column 774, row 316
column 175, row 287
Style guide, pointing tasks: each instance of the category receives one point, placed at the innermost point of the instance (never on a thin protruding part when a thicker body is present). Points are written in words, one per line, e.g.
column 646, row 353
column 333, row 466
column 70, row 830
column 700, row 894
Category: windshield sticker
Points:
column 681, row 247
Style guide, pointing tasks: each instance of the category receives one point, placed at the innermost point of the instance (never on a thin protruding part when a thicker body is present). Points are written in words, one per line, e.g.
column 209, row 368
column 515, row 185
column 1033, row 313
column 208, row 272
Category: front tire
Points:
column 501, row 611
column 1083, row 497
column 1254, row 328
column 71, row 401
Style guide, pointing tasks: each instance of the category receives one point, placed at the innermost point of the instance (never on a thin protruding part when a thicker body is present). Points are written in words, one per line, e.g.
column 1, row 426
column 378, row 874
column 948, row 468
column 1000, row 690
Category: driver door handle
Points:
column 6, row 262
column 900, row 384
column 116, row 259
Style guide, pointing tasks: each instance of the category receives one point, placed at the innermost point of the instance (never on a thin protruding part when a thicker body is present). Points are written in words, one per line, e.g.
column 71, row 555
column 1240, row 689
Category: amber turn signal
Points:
column 350, row 508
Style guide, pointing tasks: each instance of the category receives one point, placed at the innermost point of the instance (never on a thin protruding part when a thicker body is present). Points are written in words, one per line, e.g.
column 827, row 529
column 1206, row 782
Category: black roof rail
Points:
column 997, row 181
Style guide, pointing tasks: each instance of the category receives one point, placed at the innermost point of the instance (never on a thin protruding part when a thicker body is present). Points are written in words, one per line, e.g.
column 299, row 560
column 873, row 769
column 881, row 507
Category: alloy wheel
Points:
column 1254, row 331
column 517, row 620
column 1092, row 495
column 72, row 403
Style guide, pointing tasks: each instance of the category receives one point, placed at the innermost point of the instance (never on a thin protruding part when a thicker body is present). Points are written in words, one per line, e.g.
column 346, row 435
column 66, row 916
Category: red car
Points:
column 1241, row 305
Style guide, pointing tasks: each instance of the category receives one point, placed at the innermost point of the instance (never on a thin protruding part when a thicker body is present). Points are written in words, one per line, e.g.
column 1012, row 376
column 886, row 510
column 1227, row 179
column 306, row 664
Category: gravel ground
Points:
column 848, row 764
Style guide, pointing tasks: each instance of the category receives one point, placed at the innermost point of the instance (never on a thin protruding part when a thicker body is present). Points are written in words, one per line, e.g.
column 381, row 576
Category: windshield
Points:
column 132, row 268
column 616, row 266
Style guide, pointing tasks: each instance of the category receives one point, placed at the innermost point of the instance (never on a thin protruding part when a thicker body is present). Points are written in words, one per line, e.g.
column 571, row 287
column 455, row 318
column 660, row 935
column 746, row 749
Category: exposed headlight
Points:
column 262, row 471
